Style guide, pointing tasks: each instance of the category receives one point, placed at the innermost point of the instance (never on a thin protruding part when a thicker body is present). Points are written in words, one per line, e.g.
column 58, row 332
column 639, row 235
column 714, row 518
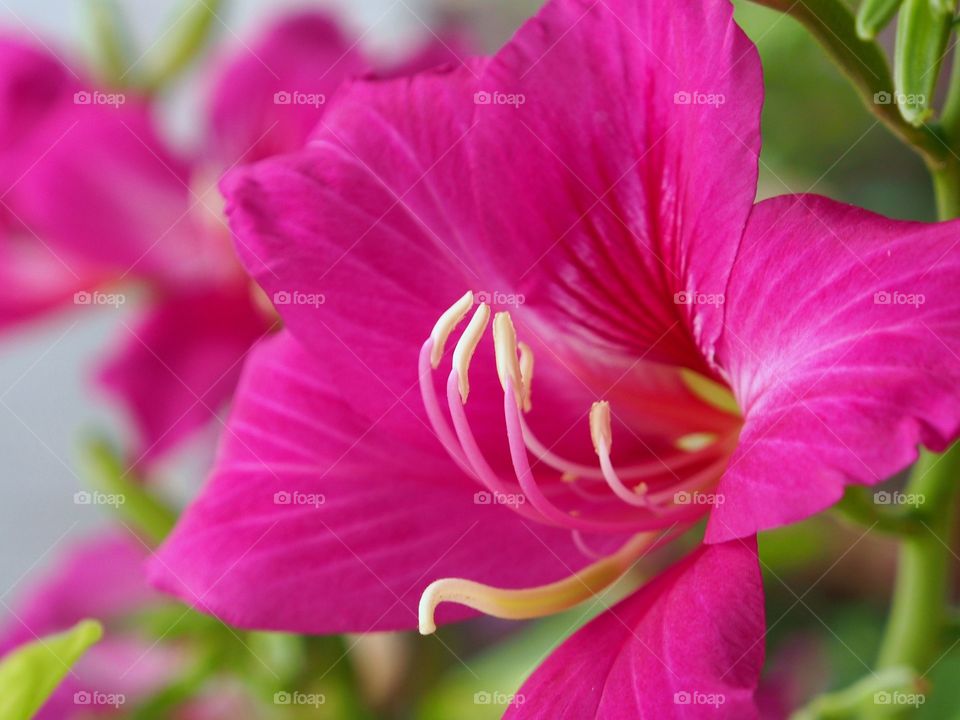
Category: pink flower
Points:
column 696, row 355
column 95, row 200
column 100, row 578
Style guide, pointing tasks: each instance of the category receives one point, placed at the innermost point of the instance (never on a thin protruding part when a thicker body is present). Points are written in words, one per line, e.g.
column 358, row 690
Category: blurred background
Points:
column 827, row 583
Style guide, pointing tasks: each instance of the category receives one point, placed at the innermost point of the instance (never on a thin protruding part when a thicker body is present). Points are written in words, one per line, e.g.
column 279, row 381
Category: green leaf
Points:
column 30, row 674
column 922, row 36
column 130, row 497
column 873, row 16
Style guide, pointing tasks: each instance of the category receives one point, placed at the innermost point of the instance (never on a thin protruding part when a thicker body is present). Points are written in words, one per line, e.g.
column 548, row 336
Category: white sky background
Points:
column 46, row 401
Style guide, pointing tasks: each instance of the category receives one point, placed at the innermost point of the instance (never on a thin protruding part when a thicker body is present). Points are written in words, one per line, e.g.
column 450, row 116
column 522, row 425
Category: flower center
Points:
column 635, row 500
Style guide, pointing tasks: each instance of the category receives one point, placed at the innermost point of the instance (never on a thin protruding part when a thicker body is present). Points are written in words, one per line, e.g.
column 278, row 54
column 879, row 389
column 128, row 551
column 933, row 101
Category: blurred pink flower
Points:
column 101, row 578
column 94, row 201
column 742, row 362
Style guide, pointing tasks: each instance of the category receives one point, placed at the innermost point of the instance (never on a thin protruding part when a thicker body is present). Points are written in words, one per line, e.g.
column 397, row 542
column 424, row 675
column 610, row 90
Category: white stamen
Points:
column 467, row 345
column 600, row 431
column 446, row 325
column 505, row 344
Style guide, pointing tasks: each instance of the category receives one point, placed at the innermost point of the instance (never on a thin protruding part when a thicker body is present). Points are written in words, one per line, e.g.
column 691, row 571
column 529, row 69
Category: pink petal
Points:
column 689, row 645
column 840, row 381
column 179, row 366
column 34, row 278
column 105, row 191
column 33, row 84
column 332, row 507
column 603, row 194
column 99, row 578
column 269, row 96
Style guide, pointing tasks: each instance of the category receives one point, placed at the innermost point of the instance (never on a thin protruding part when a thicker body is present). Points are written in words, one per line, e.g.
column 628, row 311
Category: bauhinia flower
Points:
column 663, row 350
column 94, row 202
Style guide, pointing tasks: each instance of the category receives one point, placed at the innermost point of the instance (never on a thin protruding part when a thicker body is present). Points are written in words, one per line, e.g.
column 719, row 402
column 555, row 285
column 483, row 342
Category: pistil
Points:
column 534, row 602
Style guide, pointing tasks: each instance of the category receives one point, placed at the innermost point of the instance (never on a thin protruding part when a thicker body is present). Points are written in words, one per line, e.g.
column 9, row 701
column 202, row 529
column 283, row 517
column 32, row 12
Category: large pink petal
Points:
column 332, row 507
column 378, row 227
column 178, row 367
column 270, row 95
column 842, row 344
column 689, row 645
column 615, row 162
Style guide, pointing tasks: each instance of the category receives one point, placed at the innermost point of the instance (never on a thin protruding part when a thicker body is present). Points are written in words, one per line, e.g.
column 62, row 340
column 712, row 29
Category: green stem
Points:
column 918, row 614
column 946, row 187
column 863, row 61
